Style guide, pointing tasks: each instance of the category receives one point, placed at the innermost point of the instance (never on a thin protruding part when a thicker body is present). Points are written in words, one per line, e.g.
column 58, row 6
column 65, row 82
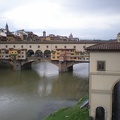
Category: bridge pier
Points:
column 20, row 65
column 63, row 67
column 16, row 65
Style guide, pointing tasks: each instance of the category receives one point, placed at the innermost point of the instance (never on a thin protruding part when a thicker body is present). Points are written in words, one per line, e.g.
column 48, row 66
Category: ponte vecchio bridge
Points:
column 21, row 54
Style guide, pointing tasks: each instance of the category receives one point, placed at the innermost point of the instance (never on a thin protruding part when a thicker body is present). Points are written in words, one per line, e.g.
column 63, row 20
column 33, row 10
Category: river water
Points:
column 36, row 93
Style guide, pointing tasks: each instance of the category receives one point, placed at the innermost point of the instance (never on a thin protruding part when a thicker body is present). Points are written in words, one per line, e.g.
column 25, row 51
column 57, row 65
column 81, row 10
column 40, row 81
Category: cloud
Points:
column 44, row 14
column 38, row 14
column 63, row 15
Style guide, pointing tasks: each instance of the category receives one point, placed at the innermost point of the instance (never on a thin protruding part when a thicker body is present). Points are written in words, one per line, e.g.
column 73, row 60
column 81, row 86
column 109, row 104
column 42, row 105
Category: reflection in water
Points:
column 34, row 94
column 46, row 69
column 81, row 70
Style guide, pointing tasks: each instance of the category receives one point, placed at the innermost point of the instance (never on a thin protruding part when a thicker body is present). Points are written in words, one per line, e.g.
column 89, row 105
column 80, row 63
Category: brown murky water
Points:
column 34, row 94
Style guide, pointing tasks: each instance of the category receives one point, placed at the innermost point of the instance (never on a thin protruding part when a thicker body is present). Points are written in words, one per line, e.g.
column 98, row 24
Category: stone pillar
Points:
column 63, row 67
column 16, row 65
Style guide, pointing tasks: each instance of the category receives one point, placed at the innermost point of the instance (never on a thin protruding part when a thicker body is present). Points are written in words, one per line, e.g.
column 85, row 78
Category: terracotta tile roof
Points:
column 107, row 46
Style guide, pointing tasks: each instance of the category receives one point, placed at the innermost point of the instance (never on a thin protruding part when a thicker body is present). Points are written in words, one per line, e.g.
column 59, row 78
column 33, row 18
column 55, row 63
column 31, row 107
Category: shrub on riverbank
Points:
column 73, row 113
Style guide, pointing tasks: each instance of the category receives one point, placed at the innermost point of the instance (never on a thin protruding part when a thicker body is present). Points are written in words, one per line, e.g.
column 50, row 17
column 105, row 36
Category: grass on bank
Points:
column 72, row 113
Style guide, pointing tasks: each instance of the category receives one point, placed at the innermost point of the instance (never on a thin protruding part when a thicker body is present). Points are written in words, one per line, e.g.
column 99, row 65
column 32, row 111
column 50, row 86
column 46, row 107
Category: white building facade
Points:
column 104, row 94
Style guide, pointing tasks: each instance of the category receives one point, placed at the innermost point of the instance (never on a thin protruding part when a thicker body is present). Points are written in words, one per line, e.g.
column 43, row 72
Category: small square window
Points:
column 74, row 47
column 47, row 46
column 30, row 46
column 65, row 47
column 21, row 46
column 101, row 65
column 38, row 46
column 84, row 47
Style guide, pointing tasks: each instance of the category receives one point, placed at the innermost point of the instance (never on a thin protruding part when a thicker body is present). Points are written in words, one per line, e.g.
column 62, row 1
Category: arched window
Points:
column 100, row 113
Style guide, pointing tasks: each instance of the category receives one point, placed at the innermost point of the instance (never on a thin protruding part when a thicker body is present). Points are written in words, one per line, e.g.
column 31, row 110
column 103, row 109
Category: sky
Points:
column 85, row 19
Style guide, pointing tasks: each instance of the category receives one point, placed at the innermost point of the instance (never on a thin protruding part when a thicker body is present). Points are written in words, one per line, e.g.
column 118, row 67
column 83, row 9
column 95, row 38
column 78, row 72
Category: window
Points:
column 55, row 46
column 101, row 65
column 38, row 46
column 6, row 46
column 47, row 46
column 30, row 46
column 74, row 47
column 84, row 47
column 100, row 113
column 21, row 46
column 14, row 46
column 65, row 47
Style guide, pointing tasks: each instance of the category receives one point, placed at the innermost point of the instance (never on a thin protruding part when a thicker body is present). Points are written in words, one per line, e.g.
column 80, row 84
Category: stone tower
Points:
column 44, row 34
column 7, row 29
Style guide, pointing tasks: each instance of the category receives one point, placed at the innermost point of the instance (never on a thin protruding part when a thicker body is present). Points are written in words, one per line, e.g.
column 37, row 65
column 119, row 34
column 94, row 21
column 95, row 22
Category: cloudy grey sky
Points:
column 85, row 19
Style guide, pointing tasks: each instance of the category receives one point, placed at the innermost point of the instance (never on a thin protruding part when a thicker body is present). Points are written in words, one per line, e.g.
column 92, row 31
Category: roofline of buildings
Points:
column 53, row 42
column 107, row 46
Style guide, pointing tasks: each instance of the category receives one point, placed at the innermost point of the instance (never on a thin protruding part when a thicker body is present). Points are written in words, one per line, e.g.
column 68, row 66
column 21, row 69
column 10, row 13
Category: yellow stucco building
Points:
column 69, row 55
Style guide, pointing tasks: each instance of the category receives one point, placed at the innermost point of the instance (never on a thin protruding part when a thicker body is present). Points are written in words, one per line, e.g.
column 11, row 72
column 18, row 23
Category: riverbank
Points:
column 72, row 113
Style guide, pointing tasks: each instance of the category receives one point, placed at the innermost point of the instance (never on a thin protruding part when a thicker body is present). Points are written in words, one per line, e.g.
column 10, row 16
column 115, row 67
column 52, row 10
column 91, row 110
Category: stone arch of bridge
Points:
column 47, row 53
column 30, row 53
column 38, row 53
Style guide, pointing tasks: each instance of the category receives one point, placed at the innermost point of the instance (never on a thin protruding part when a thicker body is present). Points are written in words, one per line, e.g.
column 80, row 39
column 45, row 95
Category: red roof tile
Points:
column 107, row 46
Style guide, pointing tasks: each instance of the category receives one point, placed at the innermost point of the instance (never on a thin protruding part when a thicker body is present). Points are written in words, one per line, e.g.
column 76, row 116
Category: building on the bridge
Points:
column 69, row 55
column 22, row 54
column 17, row 54
column 104, row 81
column 4, row 54
column 62, row 54
column 13, row 54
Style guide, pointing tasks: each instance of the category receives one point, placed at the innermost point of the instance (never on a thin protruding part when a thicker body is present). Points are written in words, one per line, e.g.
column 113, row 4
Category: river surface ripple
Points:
column 36, row 93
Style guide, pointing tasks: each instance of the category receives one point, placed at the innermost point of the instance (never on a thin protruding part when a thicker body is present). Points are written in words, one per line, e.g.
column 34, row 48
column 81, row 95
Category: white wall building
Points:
column 104, row 85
